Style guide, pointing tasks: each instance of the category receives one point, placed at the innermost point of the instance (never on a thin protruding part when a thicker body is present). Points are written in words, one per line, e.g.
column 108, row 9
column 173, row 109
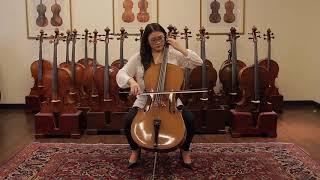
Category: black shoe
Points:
column 132, row 165
column 135, row 164
column 185, row 165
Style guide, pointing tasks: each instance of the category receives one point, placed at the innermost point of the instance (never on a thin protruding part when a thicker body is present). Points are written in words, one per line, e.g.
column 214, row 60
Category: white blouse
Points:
column 134, row 68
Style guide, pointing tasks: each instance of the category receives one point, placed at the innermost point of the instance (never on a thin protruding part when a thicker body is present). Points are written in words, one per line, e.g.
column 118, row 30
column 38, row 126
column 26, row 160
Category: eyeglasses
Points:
column 156, row 40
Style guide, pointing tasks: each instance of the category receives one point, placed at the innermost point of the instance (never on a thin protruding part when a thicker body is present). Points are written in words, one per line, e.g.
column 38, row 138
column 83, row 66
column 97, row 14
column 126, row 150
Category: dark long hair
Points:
column 145, row 48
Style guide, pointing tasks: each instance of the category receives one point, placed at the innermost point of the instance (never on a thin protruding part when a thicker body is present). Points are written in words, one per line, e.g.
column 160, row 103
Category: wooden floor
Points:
column 297, row 124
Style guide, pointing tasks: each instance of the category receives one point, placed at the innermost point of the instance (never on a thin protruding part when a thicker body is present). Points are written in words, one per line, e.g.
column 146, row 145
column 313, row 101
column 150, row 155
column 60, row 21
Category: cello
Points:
column 228, row 73
column 67, row 39
column 119, row 63
column 105, row 79
column 124, row 99
column 253, row 114
column 160, row 127
column 77, row 73
column 253, row 82
column 57, row 116
column 203, row 77
column 272, row 66
column 86, row 61
column 58, row 83
column 90, row 71
column 186, row 98
column 38, row 68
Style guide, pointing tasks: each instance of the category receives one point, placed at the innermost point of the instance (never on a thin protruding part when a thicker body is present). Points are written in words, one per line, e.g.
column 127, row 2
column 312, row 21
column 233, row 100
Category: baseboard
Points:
column 12, row 106
column 302, row 103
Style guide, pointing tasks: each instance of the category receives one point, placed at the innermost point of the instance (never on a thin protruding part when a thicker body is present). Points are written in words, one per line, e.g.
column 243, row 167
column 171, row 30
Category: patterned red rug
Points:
column 210, row 161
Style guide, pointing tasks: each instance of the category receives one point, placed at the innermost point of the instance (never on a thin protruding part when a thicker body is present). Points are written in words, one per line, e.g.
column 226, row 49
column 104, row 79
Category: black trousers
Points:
column 188, row 121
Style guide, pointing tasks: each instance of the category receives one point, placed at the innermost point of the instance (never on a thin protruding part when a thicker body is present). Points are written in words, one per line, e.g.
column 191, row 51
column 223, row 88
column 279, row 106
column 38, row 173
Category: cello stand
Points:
column 245, row 123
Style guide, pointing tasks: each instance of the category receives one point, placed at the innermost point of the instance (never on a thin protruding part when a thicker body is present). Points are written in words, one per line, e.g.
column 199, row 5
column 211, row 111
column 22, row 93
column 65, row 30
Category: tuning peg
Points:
column 207, row 37
column 250, row 38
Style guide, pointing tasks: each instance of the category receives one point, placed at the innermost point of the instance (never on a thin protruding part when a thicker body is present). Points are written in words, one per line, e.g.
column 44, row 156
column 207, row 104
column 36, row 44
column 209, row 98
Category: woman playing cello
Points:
column 132, row 75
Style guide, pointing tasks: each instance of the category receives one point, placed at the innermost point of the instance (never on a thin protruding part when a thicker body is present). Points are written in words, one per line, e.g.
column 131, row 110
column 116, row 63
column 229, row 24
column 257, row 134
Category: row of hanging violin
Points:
column 86, row 83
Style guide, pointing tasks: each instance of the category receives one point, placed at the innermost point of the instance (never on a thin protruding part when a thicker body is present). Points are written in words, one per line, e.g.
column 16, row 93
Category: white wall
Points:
column 295, row 48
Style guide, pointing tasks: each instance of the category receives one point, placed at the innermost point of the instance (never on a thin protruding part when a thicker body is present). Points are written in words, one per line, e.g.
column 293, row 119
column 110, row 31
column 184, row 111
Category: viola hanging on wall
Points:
column 42, row 20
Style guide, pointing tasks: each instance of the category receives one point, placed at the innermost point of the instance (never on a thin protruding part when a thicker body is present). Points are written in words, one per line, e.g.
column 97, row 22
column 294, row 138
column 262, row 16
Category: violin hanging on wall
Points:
column 56, row 19
column 215, row 16
column 127, row 15
column 229, row 16
column 143, row 16
column 42, row 20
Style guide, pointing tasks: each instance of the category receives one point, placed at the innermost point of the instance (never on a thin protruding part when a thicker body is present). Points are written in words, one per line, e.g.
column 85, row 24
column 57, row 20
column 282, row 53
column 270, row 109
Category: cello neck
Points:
column 256, row 66
column 269, row 54
column 40, row 62
column 73, row 62
column 67, row 46
column 234, row 58
column 106, row 66
column 55, row 68
column 86, row 48
column 121, row 53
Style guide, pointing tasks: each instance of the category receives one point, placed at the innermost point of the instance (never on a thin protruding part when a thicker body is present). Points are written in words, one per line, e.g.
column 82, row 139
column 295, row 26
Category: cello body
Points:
column 172, row 130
